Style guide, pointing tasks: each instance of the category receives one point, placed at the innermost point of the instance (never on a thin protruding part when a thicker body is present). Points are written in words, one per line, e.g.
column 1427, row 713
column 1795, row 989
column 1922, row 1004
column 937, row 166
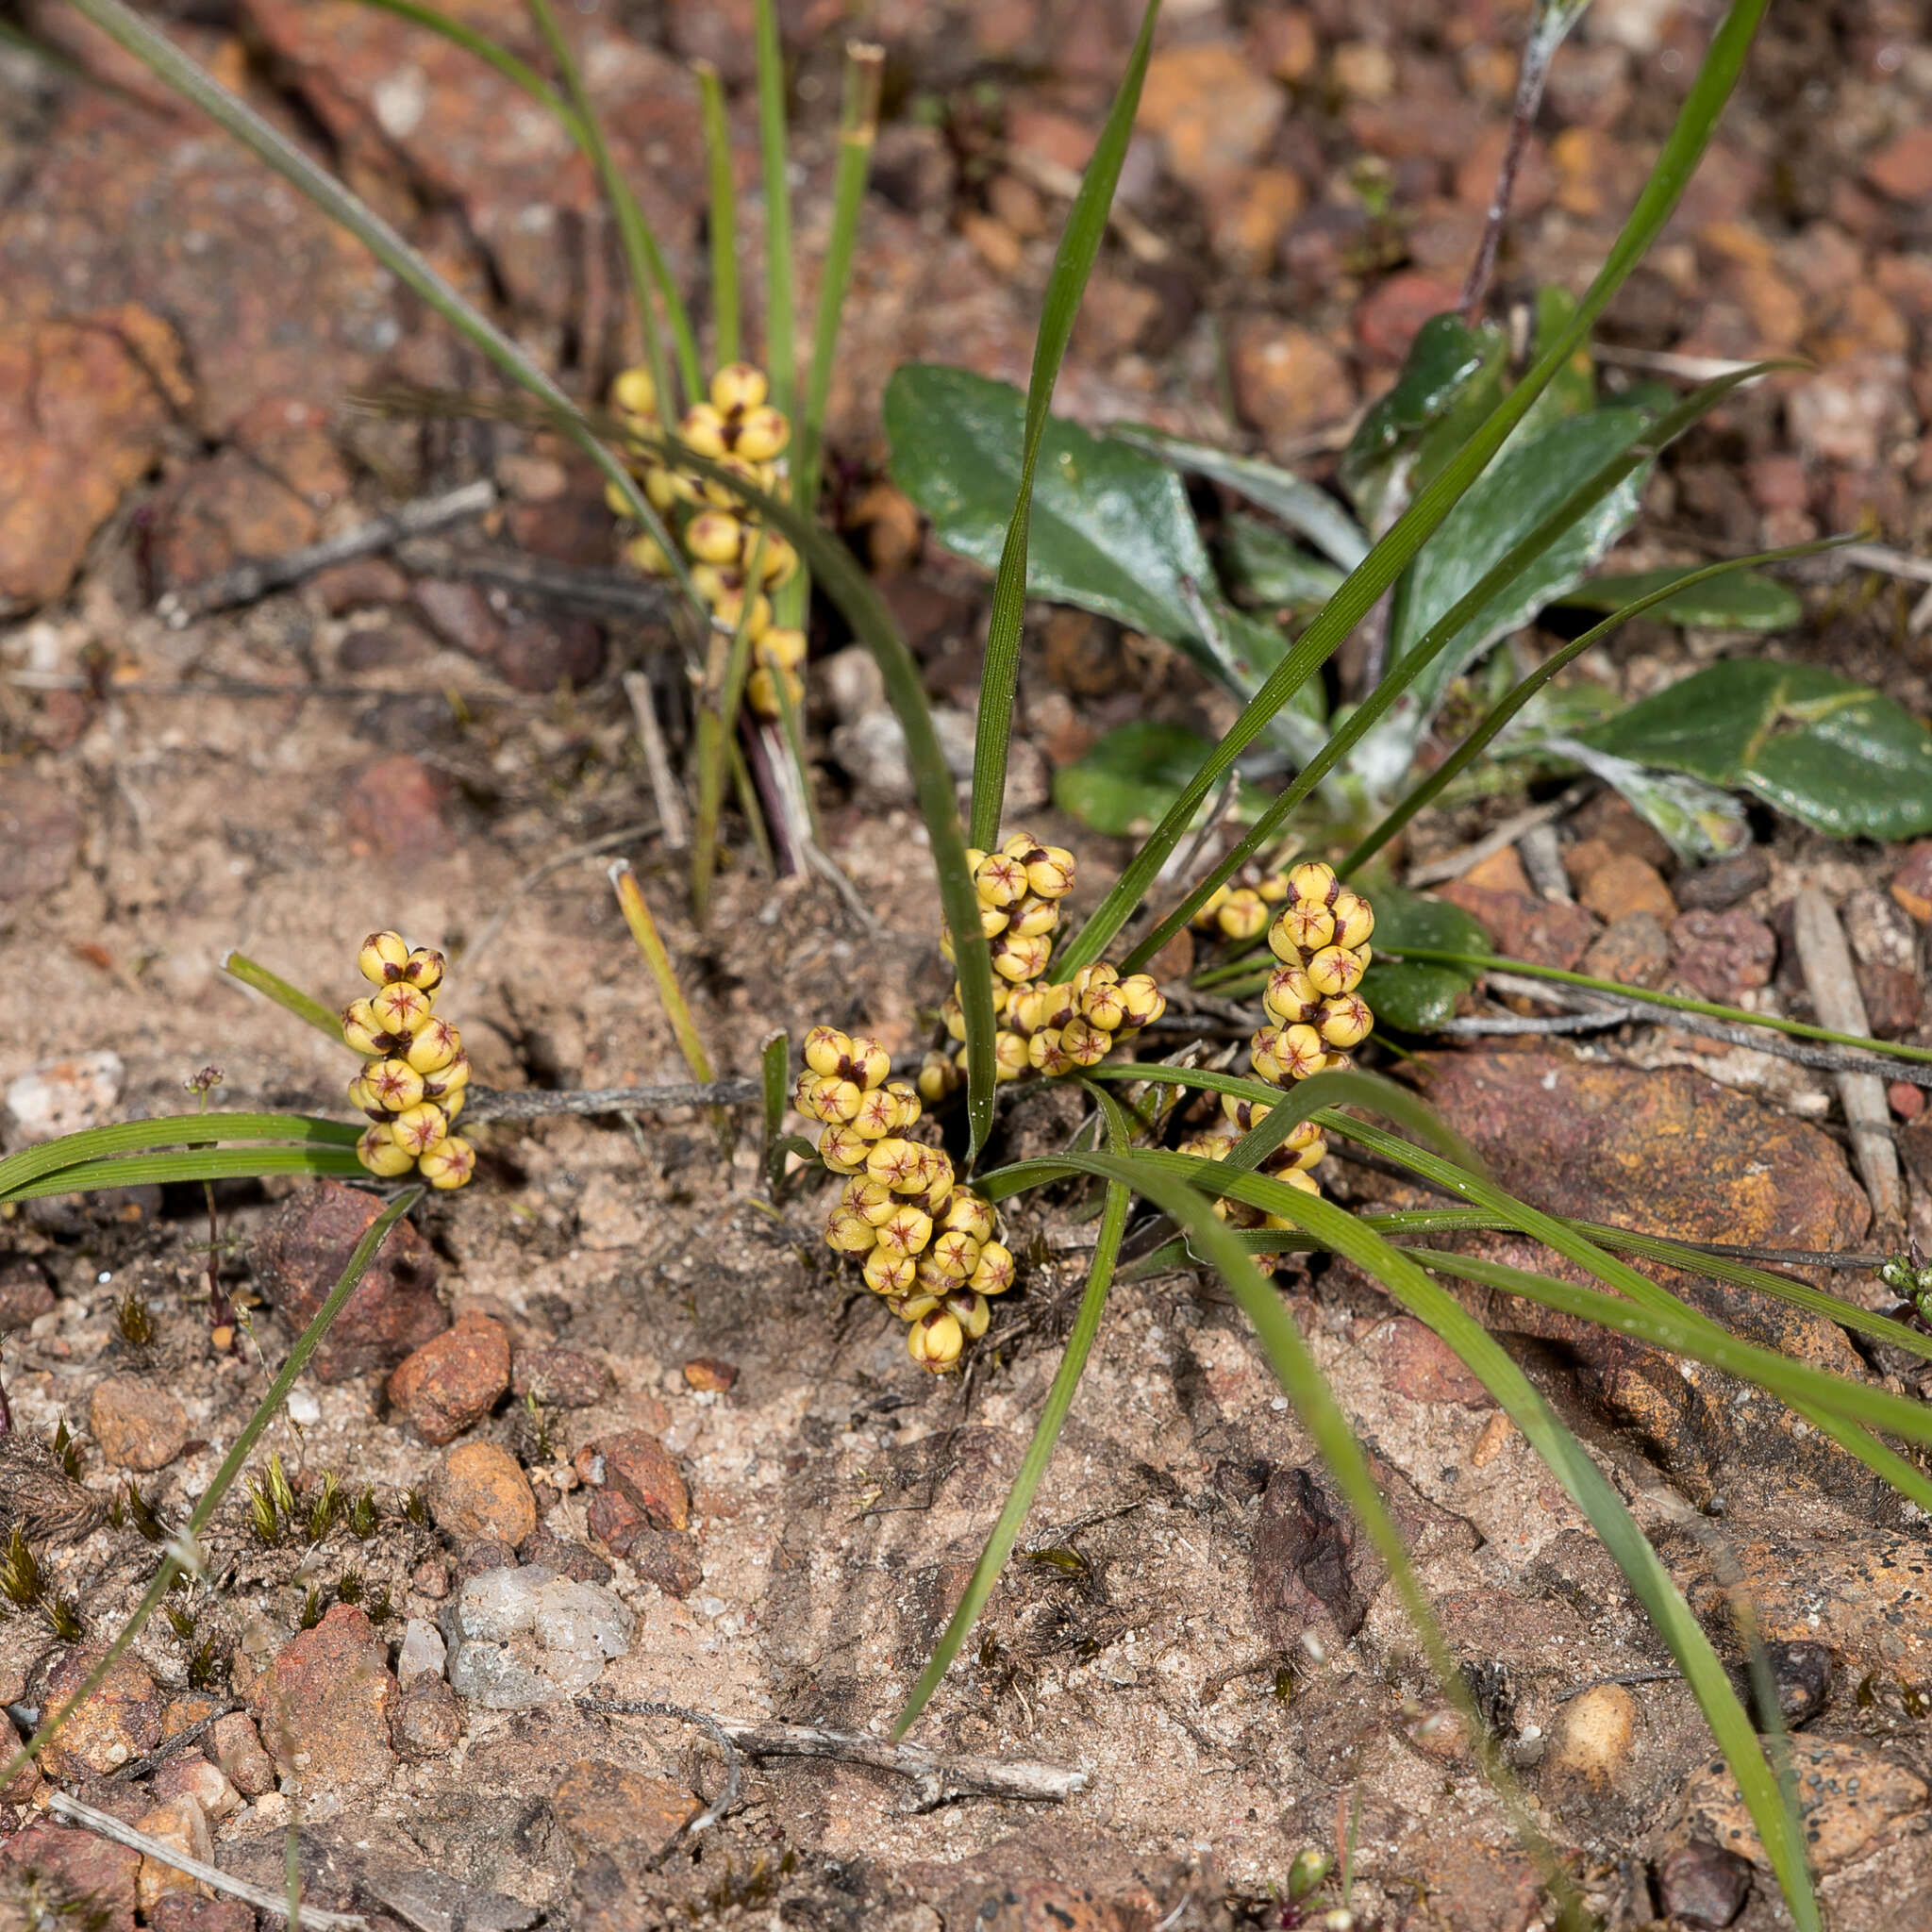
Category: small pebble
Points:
column 1908, row 1102
column 480, row 1490
column 426, row 1722
column 137, row 1425
column 422, row 1653
column 1703, row 1885
column 62, row 1097
column 1594, row 1732
column 707, row 1372
column 523, row 1637
column 239, row 1753
column 454, row 1381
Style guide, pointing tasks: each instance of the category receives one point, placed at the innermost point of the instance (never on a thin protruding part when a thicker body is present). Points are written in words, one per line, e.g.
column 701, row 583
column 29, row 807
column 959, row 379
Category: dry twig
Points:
column 608, row 592
column 105, row 1824
column 540, row 1103
column 248, row 582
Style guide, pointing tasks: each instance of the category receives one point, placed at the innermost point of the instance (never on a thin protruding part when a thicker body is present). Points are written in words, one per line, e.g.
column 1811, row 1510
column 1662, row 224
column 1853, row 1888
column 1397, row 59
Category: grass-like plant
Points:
column 1127, row 1168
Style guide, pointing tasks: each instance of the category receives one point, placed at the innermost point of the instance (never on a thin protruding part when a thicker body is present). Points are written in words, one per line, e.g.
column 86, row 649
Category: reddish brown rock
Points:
column 1621, row 884
column 1286, row 380
column 1893, row 999
column 76, row 1869
column 1609, row 818
column 322, row 1705
column 394, row 1309
column 83, row 404
column 237, row 1748
column 25, row 1295
column 642, row 1470
column 222, row 510
column 1911, row 884
column 1386, row 323
column 559, row 1377
column 1902, row 168
column 562, row 1557
column 1415, row 1361
column 1634, row 951
column 705, row 1371
column 1699, row 1884
column 40, row 832
column 454, row 1381
column 604, row 1807
column 180, row 1825
column 1720, row 955
column 188, row 1774
column 427, row 1720
column 120, row 1719
column 393, row 807
column 182, row 1912
column 137, row 1425
column 357, row 585
column 479, row 1490
column 1522, row 927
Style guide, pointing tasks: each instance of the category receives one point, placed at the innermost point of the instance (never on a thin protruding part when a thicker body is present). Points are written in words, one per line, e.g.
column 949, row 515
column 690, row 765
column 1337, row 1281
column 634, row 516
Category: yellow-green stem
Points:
column 644, row 928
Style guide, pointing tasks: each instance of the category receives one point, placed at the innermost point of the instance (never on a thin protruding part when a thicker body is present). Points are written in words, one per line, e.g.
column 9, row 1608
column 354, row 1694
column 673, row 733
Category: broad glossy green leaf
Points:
column 1407, row 995
column 1111, row 529
column 1502, row 507
column 1268, row 566
column 1743, row 601
column 1838, row 756
column 1127, row 780
column 1452, row 379
column 1572, row 388
column 1299, row 504
column 1697, row 821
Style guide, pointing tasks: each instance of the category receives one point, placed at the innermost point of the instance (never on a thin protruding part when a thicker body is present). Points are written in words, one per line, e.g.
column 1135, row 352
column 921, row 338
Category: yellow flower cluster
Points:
column 1043, row 1026
column 717, row 530
column 1240, row 907
column 1320, row 935
column 417, row 1073
column 927, row 1244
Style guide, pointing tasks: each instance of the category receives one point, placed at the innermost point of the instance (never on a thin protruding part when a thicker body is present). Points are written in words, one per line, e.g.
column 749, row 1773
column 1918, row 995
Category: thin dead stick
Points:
column 1504, row 1025
column 939, row 1778
column 1452, row 865
column 535, row 1104
column 1892, row 562
column 254, row 579
column 1633, row 1006
column 608, row 592
column 1052, row 177
column 1834, row 986
column 590, row 848
column 671, row 815
column 105, row 1824
column 1668, row 362
column 140, row 1767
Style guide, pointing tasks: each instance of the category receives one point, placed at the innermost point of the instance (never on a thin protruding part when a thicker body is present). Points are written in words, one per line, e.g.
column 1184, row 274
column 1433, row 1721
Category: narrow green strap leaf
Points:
column 494, row 53
column 724, row 214
column 1046, row 1431
column 213, row 1164
column 293, row 999
column 1072, row 263
column 781, row 352
column 1681, row 152
column 186, row 1129
column 1797, row 1030
column 172, row 1565
column 775, row 1071
column 1506, row 708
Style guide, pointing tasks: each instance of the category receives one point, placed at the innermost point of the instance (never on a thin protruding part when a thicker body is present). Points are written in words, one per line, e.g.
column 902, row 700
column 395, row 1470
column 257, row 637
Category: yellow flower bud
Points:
column 826, row 1050
column 402, row 1010
column 1301, row 1052
column 953, row 1254
column 1000, row 881
column 1345, row 1022
column 449, row 1164
column 419, row 1127
column 1243, row 1113
column 395, row 1084
column 847, row 1233
column 905, row 1105
column 728, row 610
column 1021, row 845
column 762, row 688
column 969, row 1214
column 871, row 1063
column 1244, row 916
column 1272, row 887
column 1141, row 999
column 435, row 1047
column 1290, row 995
column 704, row 430
column 1205, row 914
column 939, row 1079
column 968, row 1308
column 887, row 1273
column 1264, row 1056
column 1102, row 1005
column 1015, row 958
column 1206, row 1146
column 666, row 487
column 363, row 1031
column 782, row 648
column 1084, row 1043
column 992, row 1273
column 1047, row 1056
column 877, row 1116
column 872, row 1201
column 778, row 563
column 382, row 958
column 935, row 1339
column 378, row 1151
column 1313, row 884
column 715, row 536
column 1033, row 916
column 1306, row 928
column 447, row 1082
column 644, row 553
column 839, row 1100
column 895, row 1162
column 842, row 1149
column 362, row 1097
column 1355, row 918
column 804, row 1094
column 1010, row 1056
column 762, row 433
column 906, row 1231
column 954, row 1014
column 633, row 393
column 1335, row 971
column 1296, row 1178
column 1050, row 871
column 738, row 386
